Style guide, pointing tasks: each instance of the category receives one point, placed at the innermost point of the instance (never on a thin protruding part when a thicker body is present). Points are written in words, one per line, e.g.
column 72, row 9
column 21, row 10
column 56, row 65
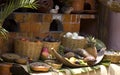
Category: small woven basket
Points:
column 28, row 48
column 113, row 58
column 73, row 43
column 49, row 45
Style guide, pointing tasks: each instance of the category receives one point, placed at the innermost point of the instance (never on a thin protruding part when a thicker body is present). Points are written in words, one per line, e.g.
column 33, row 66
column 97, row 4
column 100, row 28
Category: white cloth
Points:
column 113, row 69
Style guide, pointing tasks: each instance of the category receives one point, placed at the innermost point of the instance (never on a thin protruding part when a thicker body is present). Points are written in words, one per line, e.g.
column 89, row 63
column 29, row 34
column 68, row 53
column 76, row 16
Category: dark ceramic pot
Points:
column 45, row 5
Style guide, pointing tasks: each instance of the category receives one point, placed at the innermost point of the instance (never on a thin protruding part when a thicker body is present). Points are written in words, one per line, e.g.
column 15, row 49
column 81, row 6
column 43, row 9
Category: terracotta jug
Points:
column 78, row 5
column 5, row 68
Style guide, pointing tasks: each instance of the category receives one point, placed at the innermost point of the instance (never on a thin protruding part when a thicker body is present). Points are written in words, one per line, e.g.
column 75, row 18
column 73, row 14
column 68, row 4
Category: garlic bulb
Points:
column 75, row 34
column 74, row 37
column 81, row 37
column 68, row 34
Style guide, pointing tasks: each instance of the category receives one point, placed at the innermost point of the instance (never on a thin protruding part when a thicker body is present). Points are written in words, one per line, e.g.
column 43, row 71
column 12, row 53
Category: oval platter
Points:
column 62, row 59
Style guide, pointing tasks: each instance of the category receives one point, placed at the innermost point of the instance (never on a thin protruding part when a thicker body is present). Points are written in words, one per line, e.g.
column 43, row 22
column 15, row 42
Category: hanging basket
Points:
column 111, row 4
column 114, row 6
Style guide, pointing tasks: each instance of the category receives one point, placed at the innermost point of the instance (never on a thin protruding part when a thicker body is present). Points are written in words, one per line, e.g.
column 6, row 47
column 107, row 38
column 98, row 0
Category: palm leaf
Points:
column 15, row 4
column 3, row 33
column 10, row 7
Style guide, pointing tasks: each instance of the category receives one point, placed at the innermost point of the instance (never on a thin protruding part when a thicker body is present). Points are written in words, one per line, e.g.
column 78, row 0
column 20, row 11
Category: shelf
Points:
column 85, row 12
column 87, row 16
column 59, row 15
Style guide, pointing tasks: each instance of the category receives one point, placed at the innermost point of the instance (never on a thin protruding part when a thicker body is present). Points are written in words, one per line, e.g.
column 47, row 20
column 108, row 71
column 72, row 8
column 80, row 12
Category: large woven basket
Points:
column 73, row 43
column 54, row 45
column 28, row 48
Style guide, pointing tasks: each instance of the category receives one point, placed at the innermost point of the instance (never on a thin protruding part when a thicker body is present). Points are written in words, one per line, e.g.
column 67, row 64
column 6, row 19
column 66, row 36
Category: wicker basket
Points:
column 73, row 43
column 50, row 45
column 28, row 48
column 113, row 58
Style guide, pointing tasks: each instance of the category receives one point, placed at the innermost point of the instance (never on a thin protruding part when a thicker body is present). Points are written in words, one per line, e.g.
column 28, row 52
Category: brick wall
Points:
column 37, row 24
column 40, row 23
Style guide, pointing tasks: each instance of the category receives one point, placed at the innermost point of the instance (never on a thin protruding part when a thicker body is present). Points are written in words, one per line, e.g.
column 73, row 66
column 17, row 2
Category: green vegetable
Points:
column 61, row 50
column 82, row 62
column 99, row 44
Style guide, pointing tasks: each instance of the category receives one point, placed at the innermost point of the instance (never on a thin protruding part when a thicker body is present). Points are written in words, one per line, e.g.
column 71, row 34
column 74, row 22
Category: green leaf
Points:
column 3, row 33
column 99, row 44
column 10, row 7
column 15, row 4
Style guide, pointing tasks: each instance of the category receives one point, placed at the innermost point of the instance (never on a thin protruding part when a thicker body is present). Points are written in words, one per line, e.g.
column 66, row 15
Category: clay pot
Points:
column 78, row 5
column 45, row 5
column 5, row 68
column 3, row 46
